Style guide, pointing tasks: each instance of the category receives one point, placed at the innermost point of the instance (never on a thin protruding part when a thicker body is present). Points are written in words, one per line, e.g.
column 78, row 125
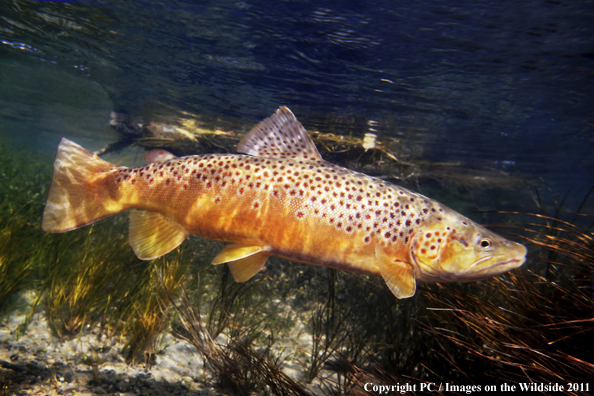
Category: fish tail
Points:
column 77, row 193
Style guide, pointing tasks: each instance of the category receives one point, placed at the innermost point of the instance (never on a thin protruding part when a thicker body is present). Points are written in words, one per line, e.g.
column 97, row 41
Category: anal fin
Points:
column 399, row 276
column 244, row 261
column 152, row 235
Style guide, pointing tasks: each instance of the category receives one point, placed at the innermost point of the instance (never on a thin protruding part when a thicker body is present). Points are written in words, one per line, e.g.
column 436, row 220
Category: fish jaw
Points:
column 456, row 249
column 495, row 265
column 485, row 267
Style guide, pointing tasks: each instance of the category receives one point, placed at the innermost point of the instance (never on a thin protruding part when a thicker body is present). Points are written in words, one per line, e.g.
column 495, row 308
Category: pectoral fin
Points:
column 399, row 276
column 244, row 261
column 152, row 235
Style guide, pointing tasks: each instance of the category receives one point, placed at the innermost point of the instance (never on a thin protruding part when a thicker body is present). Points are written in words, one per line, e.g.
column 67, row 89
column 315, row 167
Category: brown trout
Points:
column 281, row 199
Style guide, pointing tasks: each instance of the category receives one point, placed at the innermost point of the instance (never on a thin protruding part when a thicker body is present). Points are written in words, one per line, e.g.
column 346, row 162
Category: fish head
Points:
column 453, row 248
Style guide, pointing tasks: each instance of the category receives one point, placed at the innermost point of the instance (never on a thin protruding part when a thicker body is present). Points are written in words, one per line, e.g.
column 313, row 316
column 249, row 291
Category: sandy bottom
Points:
column 38, row 363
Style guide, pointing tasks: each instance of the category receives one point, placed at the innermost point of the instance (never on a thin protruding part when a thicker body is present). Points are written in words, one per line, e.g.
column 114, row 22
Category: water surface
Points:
column 487, row 82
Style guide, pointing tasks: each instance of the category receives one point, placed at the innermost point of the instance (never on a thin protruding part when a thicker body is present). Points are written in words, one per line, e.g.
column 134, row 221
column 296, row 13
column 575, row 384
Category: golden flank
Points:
column 278, row 198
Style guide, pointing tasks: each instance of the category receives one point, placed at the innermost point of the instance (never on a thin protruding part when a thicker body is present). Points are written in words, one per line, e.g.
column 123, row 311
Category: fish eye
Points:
column 485, row 243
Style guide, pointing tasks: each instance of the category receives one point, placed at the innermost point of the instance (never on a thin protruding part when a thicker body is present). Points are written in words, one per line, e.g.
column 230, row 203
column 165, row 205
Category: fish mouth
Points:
column 471, row 273
column 499, row 267
column 493, row 270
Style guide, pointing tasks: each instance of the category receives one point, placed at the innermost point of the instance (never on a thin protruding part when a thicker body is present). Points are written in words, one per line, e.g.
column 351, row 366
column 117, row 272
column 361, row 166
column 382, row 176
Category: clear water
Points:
column 506, row 86
column 486, row 82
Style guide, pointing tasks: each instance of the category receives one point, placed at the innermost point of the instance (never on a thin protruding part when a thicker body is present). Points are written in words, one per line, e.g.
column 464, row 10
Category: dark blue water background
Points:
column 496, row 82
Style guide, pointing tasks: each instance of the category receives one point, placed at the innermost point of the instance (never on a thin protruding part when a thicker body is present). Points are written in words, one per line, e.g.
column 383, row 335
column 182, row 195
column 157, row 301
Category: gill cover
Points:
column 456, row 249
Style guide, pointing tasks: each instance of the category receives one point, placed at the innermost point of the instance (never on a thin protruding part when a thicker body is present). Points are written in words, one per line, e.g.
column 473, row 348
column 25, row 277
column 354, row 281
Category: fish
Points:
column 277, row 197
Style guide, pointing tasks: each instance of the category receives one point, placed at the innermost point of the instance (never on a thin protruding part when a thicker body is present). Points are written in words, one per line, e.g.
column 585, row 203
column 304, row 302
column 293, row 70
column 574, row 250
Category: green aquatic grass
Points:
column 88, row 273
column 22, row 186
column 16, row 265
column 93, row 279
column 81, row 279
column 150, row 306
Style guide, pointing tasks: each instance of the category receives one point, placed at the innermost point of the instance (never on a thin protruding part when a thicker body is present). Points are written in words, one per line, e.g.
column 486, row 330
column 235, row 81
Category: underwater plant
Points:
column 243, row 360
column 100, row 282
column 22, row 186
column 84, row 275
column 533, row 326
column 150, row 306
column 16, row 265
column 82, row 280
column 530, row 326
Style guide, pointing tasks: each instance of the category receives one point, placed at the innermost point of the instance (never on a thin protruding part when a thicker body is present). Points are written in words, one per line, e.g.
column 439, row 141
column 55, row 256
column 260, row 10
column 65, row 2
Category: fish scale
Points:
column 281, row 199
column 214, row 195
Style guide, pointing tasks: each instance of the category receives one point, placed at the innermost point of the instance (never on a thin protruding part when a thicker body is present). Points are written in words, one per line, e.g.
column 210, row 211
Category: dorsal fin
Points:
column 279, row 136
column 158, row 156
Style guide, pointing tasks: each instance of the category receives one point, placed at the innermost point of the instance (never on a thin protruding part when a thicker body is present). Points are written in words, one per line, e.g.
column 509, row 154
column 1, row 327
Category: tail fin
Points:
column 74, row 197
